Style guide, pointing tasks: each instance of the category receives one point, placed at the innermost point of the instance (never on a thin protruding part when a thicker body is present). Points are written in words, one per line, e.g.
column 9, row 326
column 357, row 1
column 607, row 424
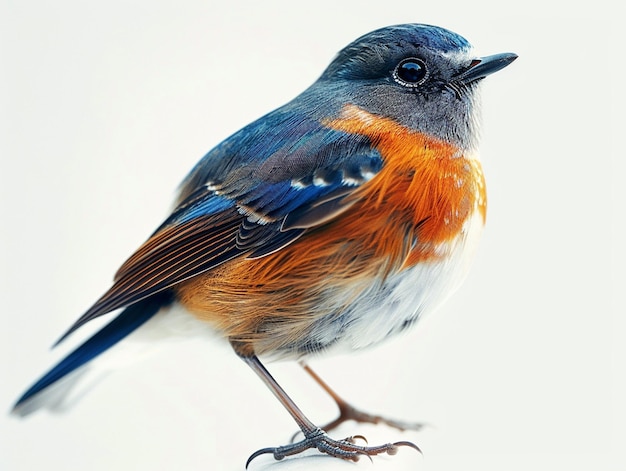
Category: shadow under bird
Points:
column 329, row 224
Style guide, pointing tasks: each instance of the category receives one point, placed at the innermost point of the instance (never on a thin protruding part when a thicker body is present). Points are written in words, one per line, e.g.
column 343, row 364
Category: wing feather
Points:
column 245, row 199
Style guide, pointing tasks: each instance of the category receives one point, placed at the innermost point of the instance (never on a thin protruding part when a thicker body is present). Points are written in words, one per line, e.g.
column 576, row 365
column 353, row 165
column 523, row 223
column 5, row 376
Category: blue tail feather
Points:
column 125, row 323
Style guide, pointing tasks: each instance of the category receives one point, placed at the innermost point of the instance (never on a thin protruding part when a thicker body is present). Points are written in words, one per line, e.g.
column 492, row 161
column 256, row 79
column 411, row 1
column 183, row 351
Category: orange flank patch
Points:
column 411, row 212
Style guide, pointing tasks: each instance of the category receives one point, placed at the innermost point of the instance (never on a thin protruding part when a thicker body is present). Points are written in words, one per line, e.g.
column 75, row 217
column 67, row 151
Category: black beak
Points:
column 484, row 66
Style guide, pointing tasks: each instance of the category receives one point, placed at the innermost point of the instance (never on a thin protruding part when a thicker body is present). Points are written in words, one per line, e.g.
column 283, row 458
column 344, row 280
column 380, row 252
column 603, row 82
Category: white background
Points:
column 106, row 105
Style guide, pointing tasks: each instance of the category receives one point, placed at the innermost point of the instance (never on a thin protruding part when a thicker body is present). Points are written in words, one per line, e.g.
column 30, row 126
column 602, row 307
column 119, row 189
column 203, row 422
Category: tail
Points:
column 54, row 387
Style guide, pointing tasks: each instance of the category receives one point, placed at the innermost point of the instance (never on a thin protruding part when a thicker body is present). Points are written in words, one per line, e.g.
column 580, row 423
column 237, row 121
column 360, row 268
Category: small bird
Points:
column 330, row 224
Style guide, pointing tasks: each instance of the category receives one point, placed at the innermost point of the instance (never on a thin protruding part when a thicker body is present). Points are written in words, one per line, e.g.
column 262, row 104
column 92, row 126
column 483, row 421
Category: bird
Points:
column 328, row 225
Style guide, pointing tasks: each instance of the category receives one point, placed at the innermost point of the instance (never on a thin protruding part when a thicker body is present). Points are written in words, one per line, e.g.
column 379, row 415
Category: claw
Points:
column 368, row 457
column 263, row 451
column 357, row 437
column 345, row 449
column 293, row 437
column 394, row 450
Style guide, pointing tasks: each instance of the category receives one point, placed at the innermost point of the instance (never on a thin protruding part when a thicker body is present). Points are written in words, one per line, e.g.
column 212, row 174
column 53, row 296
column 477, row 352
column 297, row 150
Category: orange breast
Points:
column 405, row 215
column 425, row 181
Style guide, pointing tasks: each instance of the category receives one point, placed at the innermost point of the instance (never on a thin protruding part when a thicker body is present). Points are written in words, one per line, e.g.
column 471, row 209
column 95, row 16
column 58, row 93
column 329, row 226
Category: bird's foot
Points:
column 348, row 412
column 346, row 449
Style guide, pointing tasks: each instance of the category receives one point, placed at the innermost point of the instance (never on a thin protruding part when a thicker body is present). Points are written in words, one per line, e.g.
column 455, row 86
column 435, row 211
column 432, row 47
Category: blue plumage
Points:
column 210, row 204
column 125, row 323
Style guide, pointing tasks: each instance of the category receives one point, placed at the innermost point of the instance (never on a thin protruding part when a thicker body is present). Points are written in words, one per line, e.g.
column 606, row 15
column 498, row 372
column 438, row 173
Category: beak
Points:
column 480, row 68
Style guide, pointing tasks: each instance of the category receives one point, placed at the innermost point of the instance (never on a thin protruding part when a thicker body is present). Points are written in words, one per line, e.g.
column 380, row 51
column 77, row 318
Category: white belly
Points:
column 390, row 307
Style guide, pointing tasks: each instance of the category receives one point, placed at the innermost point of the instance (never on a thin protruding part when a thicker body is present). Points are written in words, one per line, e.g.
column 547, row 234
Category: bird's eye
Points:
column 410, row 72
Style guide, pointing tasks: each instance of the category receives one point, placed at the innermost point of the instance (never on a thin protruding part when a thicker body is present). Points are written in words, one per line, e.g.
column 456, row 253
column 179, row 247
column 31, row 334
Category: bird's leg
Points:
column 314, row 437
column 349, row 412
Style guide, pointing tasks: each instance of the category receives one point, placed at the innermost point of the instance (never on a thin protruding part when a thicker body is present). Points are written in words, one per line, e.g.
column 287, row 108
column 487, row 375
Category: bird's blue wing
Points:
column 253, row 194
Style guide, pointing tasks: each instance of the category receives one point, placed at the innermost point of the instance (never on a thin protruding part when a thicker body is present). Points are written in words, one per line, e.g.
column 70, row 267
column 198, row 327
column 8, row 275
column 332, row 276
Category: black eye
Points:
column 410, row 72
